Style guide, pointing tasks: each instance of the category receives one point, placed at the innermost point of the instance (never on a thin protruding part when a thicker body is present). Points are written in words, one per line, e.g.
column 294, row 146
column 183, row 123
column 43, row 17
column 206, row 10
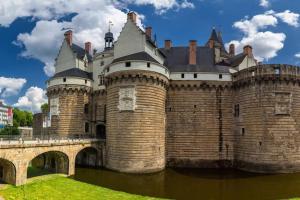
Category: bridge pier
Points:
column 21, row 173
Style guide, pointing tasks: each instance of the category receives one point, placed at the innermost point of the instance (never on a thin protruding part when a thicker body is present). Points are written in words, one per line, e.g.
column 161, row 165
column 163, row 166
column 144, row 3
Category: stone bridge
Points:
column 58, row 155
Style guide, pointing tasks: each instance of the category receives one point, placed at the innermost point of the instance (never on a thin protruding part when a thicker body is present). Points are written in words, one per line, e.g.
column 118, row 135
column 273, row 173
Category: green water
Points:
column 197, row 184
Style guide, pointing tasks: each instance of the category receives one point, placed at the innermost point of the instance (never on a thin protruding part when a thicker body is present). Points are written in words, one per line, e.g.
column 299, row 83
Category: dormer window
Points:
column 127, row 64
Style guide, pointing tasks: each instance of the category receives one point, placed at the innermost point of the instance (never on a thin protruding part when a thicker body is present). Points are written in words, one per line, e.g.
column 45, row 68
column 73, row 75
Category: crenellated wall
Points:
column 136, row 121
column 71, row 116
column 266, row 129
column 199, row 124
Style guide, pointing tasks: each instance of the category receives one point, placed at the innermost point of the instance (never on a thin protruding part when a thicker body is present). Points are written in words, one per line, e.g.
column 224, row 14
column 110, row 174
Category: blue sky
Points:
column 31, row 33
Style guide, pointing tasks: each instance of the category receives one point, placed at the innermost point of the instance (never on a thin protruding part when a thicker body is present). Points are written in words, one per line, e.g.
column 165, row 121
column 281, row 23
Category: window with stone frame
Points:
column 283, row 103
column 236, row 110
column 101, row 79
column 86, row 127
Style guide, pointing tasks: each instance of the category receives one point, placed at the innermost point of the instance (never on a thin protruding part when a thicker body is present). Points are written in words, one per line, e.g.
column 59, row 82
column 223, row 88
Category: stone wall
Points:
column 199, row 124
column 136, row 136
column 266, row 130
column 72, row 117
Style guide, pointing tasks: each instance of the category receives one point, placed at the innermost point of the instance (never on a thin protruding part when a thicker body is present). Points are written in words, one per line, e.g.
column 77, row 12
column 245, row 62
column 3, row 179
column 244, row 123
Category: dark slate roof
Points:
column 177, row 60
column 141, row 56
column 81, row 52
column 236, row 60
column 218, row 41
column 74, row 72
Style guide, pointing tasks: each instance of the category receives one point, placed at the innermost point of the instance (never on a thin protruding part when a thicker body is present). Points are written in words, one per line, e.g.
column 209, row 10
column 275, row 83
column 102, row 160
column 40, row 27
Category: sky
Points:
column 31, row 33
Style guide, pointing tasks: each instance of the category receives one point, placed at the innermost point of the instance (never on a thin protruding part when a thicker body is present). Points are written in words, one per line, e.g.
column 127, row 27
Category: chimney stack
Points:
column 149, row 31
column 68, row 37
column 168, row 44
column 248, row 50
column 131, row 16
column 193, row 52
column 232, row 50
column 88, row 47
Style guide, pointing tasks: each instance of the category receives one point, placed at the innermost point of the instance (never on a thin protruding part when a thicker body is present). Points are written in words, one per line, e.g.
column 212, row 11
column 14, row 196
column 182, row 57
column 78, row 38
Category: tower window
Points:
column 86, row 108
column 64, row 79
column 85, row 81
column 127, row 64
column 107, row 70
column 182, row 75
column 148, row 64
column 86, row 127
column 102, row 63
column 195, row 75
column 277, row 71
column 101, row 80
column 237, row 110
column 220, row 76
column 243, row 131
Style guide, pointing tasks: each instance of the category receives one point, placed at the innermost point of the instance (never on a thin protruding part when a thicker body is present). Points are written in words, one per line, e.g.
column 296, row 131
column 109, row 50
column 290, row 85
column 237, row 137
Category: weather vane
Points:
column 110, row 24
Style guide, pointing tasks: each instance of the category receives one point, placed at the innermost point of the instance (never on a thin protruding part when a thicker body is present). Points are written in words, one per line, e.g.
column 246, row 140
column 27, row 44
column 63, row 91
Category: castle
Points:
column 193, row 106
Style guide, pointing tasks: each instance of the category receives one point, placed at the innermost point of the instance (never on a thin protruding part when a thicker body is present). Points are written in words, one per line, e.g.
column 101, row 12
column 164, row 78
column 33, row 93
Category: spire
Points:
column 220, row 39
column 213, row 35
column 109, row 37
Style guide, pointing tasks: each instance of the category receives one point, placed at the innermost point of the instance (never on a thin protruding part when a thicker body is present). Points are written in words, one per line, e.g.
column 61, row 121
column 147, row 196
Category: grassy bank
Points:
column 58, row 187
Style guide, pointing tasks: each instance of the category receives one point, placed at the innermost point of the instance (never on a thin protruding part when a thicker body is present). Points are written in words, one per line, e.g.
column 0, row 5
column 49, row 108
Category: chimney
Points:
column 131, row 16
column 232, row 50
column 248, row 50
column 68, row 37
column 168, row 44
column 149, row 31
column 88, row 47
column 193, row 52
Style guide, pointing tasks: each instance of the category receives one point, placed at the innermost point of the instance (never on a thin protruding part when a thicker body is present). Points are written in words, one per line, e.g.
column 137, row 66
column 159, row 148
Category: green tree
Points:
column 22, row 118
column 45, row 108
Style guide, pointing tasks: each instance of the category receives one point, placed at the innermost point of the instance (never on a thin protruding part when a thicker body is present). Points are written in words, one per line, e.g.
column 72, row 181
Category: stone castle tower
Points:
column 185, row 106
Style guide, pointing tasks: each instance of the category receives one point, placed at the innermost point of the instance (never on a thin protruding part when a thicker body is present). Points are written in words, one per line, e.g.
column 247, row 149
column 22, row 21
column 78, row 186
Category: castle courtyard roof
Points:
column 74, row 72
column 141, row 56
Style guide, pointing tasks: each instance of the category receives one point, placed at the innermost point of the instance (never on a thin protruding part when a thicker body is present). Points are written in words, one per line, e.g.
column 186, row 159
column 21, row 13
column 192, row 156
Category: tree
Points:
column 45, row 108
column 22, row 118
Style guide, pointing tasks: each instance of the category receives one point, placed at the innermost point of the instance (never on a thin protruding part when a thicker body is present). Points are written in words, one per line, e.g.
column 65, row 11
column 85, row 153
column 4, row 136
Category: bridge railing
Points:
column 44, row 138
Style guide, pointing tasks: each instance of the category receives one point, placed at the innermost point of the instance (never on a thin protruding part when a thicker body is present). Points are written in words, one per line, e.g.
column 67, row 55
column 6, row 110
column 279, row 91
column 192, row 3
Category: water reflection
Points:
column 197, row 184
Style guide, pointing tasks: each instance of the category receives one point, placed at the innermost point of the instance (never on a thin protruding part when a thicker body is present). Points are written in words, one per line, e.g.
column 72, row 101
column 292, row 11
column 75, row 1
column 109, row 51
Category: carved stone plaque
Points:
column 54, row 106
column 127, row 98
column 283, row 103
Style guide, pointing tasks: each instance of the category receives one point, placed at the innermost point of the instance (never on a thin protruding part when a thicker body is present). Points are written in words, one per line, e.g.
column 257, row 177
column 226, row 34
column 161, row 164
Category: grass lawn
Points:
column 59, row 187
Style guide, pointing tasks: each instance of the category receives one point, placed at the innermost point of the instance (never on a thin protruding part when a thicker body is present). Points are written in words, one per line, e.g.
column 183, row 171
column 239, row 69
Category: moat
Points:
column 197, row 184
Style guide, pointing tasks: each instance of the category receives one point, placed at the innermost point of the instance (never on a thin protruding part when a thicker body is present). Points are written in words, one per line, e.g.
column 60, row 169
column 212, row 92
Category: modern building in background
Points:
column 179, row 106
column 6, row 115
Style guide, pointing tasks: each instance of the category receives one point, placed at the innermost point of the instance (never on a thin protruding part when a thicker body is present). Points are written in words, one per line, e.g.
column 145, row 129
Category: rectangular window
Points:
column 243, row 131
column 237, row 110
column 195, row 75
column 148, row 65
column 107, row 69
column 85, row 81
column 220, row 76
column 277, row 71
column 127, row 64
column 86, row 127
column 86, row 108
column 101, row 80
column 102, row 63
column 182, row 75
column 64, row 79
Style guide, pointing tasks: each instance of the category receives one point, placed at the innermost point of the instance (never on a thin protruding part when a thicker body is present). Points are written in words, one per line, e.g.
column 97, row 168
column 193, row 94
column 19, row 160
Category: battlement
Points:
column 271, row 72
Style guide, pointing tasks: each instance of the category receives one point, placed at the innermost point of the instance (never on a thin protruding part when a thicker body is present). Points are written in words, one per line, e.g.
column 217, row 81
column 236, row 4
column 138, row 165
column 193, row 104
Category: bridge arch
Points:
column 48, row 162
column 7, row 171
column 88, row 157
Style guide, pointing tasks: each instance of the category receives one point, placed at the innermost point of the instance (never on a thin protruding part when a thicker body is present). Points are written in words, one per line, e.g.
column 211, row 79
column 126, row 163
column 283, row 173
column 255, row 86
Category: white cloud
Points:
column 297, row 55
column 10, row 86
column 264, row 3
column 161, row 6
column 32, row 100
column 89, row 24
column 289, row 17
column 266, row 44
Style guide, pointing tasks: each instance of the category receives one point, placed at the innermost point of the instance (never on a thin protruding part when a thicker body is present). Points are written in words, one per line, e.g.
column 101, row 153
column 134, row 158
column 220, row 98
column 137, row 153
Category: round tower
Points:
column 266, row 118
column 136, row 96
